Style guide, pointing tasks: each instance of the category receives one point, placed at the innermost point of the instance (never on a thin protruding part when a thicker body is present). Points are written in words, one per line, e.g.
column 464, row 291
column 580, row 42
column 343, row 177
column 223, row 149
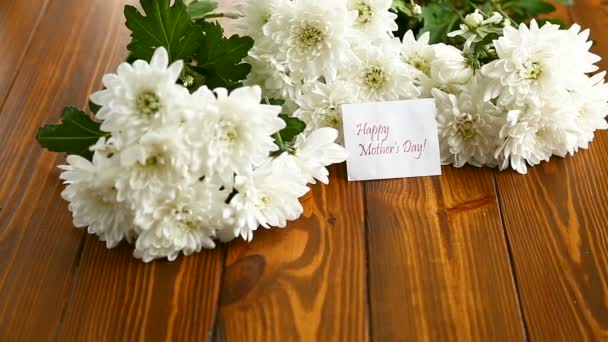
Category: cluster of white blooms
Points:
column 536, row 98
column 179, row 170
column 513, row 102
column 317, row 55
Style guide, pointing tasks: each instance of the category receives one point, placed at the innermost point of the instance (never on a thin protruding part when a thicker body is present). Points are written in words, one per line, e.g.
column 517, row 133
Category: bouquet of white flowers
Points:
column 508, row 97
column 171, row 169
column 172, row 165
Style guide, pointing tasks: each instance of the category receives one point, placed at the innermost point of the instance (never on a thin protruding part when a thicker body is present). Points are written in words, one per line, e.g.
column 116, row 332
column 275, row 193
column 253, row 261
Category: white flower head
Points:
column 140, row 96
column 535, row 131
column 420, row 54
column 315, row 151
column 254, row 15
column 468, row 129
column 374, row 18
column 535, row 60
column 234, row 132
column 590, row 107
column 93, row 198
column 379, row 74
column 153, row 165
column 449, row 69
column 312, row 37
column 270, row 74
column 267, row 196
column 320, row 105
column 184, row 224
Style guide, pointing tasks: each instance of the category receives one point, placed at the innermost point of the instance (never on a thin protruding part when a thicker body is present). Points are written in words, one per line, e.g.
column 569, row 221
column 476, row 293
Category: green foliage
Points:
column 186, row 33
column 162, row 25
column 219, row 58
column 285, row 138
column 210, row 58
column 76, row 133
column 294, row 127
column 200, row 9
column 440, row 17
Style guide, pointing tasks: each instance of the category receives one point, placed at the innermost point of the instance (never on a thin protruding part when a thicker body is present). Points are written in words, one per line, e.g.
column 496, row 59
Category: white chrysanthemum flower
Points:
column 185, row 224
column 534, row 60
column 268, row 196
column 534, row 132
column 374, row 18
column 93, row 198
column 450, row 70
column 270, row 74
column 236, row 133
column 152, row 166
column 590, row 107
column 420, row 54
column 312, row 37
column 468, row 129
column 140, row 96
column 321, row 105
column 254, row 15
column 315, row 151
column 379, row 74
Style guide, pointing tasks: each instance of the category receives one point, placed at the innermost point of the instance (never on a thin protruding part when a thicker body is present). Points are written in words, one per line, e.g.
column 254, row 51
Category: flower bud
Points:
column 473, row 20
column 417, row 9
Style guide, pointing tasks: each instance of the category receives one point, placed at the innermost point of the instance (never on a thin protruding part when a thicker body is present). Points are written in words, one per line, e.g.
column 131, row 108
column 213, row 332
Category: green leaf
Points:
column 439, row 19
column 522, row 10
column 162, row 25
column 220, row 58
column 74, row 135
column 94, row 107
column 294, row 127
column 199, row 9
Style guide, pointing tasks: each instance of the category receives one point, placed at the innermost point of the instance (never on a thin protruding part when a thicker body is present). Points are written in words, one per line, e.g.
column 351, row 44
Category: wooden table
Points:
column 472, row 255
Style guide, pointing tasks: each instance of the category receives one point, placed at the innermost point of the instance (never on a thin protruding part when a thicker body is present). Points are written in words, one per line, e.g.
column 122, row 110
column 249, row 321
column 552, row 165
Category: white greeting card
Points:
column 391, row 139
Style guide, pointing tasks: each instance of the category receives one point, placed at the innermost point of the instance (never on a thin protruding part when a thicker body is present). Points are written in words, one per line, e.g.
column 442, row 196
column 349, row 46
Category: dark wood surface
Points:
column 472, row 255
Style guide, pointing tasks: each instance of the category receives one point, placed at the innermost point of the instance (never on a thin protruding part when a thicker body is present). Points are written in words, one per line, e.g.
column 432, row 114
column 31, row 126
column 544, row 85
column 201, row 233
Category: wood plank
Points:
column 118, row 298
column 19, row 22
column 38, row 246
column 306, row 282
column 593, row 14
column 556, row 223
column 438, row 263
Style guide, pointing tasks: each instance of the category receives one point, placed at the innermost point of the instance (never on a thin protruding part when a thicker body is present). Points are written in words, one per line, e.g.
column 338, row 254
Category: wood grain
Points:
column 39, row 247
column 305, row 283
column 19, row 20
column 471, row 255
column 438, row 263
column 556, row 219
column 118, row 298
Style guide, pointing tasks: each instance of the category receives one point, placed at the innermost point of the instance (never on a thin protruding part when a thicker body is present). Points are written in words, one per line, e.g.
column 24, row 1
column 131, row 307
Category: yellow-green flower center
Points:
column 147, row 103
column 310, row 36
column 374, row 77
column 420, row 63
column 466, row 127
column 532, row 71
column 228, row 132
column 265, row 200
column 365, row 13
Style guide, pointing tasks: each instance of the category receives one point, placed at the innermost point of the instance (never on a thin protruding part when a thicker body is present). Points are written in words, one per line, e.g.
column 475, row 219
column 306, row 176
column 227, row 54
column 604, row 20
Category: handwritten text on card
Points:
column 391, row 139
